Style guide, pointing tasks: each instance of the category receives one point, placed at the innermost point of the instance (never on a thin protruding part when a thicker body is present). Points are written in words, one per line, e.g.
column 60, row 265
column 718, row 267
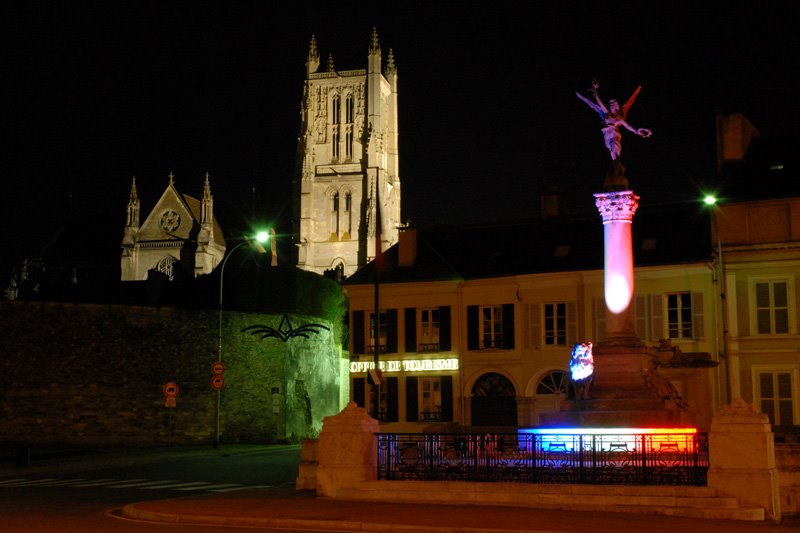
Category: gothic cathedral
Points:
column 180, row 238
column 348, row 172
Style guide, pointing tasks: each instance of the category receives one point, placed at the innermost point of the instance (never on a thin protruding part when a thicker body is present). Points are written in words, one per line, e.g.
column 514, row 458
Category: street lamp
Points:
column 711, row 201
column 257, row 244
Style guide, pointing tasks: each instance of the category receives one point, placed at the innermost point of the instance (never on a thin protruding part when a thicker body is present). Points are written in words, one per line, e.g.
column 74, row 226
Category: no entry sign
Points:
column 171, row 390
column 217, row 382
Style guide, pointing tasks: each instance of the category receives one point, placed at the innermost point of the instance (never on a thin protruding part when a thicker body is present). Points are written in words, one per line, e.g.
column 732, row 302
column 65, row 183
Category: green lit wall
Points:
column 93, row 374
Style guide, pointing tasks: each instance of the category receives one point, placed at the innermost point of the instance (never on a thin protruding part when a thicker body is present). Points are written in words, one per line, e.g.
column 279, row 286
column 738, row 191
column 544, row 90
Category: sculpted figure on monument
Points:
column 612, row 118
column 581, row 370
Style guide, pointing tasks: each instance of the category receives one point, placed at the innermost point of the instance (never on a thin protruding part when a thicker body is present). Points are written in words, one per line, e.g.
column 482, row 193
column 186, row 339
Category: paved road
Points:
column 80, row 493
column 54, row 497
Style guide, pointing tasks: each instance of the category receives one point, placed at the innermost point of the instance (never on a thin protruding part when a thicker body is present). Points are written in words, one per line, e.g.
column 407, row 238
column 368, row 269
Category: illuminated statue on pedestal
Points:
column 612, row 118
column 627, row 390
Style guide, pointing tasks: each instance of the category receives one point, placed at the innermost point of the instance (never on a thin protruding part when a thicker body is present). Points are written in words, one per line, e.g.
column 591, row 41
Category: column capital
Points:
column 616, row 206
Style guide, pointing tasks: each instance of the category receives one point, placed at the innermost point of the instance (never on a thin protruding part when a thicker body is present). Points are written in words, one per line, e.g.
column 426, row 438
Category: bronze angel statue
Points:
column 612, row 118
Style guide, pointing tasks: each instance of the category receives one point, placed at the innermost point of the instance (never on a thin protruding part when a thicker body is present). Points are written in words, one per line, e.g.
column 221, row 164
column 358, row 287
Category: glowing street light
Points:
column 711, row 201
column 257, row 244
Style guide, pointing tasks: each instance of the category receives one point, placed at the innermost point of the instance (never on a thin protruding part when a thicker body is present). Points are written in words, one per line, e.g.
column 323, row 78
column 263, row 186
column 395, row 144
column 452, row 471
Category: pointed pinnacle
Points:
column 391, row 68
column 312, row 48
column 374, row 47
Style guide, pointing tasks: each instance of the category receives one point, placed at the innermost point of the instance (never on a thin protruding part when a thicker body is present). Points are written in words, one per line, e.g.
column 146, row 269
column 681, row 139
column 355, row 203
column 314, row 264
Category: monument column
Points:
column 624, row 390
column 617, row 209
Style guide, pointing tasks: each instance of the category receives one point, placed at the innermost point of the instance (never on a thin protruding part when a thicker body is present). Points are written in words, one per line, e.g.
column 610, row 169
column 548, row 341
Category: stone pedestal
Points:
column 742, row 458
column 347, row 451
column 307, row 472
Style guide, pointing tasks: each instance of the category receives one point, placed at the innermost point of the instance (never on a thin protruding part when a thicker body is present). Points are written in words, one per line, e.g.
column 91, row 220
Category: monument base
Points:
column 618, row 416
column 626, row 393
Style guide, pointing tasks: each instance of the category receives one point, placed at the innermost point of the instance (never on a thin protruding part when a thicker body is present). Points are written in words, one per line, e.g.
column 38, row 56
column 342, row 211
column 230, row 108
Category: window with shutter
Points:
column 772, row 307
column 429, row 330
column 555, row 324
column 775, row 389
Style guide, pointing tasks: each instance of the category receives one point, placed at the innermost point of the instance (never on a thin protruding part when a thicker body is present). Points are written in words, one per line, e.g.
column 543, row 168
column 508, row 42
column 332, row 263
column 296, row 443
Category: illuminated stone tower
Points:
column 347, row 152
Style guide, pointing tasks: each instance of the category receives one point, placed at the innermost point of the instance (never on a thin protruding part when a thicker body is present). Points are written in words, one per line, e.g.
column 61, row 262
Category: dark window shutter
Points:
column 391, row 399
column 359, row 392
column 445, row 344
column 447, row 398
column 412, row 402
column 698, row 331
column 473, row 328
column 508, row 326
column 391, row 331
column 359, row 345
column 411, row 329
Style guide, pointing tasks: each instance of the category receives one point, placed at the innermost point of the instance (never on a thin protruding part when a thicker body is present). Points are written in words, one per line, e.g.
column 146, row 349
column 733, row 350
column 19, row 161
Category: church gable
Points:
column 170, row 219
column 180, row 236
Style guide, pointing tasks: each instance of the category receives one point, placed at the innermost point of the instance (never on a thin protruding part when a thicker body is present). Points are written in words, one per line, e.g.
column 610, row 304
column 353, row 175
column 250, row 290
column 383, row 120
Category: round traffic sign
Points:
column 217, row 382
column 171, row 390
column 218, row 368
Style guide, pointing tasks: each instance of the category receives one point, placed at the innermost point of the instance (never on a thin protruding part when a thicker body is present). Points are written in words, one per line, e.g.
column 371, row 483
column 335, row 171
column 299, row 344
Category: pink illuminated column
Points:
column 617, row 209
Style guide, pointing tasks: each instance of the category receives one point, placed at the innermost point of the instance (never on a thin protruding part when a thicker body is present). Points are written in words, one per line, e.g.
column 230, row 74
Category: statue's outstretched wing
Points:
column 630, row 101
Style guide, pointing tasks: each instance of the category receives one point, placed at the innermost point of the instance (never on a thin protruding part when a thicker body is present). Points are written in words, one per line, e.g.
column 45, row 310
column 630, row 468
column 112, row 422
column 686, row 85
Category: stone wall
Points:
column 93, row 374
column 787, row 460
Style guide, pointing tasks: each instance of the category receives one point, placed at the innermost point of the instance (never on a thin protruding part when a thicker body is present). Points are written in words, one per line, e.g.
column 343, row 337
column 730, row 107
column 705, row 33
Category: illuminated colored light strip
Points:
column 607, row 431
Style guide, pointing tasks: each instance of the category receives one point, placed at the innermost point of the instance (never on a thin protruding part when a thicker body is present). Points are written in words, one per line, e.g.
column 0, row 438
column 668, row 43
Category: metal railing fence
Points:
column 600, row 459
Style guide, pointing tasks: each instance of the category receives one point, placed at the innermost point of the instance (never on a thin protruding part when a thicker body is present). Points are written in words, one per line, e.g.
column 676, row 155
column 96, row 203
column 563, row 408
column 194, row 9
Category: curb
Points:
column 133, row 512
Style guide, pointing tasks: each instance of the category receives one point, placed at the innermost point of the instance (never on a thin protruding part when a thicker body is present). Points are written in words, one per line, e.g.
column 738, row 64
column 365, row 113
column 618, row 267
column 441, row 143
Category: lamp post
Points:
column 257, row 242
column 711, row 201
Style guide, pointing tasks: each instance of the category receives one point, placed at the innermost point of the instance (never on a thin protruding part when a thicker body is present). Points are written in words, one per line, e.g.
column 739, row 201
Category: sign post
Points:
column 171, row 390
column 217, row 384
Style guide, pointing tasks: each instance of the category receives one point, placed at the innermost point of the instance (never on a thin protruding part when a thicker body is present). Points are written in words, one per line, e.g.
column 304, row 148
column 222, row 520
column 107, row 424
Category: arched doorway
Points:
column 494, row 401
column 550, row 392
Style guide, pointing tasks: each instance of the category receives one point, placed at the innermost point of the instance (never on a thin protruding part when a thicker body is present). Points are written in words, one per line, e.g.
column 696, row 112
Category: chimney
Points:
column 734, row 133
column 550, row 202
column 407, row 255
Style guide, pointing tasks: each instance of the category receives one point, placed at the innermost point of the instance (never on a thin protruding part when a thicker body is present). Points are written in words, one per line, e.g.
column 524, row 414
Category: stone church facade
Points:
column 348, row 171
column 179, row 238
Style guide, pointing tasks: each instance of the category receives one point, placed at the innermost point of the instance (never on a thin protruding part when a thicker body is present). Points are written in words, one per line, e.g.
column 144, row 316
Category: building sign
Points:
column 407, row 365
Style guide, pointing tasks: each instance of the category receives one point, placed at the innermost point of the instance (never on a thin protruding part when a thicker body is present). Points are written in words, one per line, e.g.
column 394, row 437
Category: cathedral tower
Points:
column 347, row 157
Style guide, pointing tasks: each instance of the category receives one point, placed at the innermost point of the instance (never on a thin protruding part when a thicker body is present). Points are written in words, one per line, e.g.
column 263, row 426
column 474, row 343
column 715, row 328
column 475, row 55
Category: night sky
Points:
column 100, row 92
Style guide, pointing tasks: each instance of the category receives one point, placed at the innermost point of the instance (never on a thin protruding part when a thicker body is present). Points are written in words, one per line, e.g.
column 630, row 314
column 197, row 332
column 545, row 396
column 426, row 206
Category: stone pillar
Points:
column 617, row 209
column 742, row 458
column 347, row 451
column 307, row 473
column 526, row 411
